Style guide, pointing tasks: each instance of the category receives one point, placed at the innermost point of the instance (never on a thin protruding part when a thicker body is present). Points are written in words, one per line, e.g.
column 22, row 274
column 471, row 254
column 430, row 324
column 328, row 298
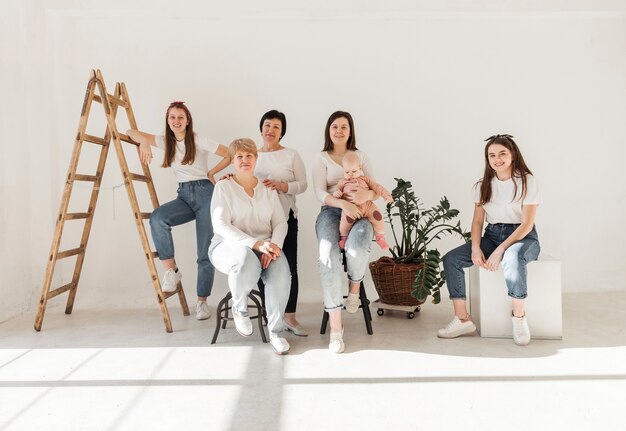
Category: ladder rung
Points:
column 117, row 101
column 145, row 216
column 126, row 138
column 81, row 177
column 154, row 255
column 137, row 177
column 94, row 139
column 112, row 99
column 168, row 294
column 59, row 290
column 68, row 253
column 75, row 216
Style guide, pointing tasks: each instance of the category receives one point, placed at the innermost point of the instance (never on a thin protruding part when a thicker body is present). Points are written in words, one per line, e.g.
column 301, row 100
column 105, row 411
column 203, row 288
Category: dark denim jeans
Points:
column 514, row 261
column 193, row 202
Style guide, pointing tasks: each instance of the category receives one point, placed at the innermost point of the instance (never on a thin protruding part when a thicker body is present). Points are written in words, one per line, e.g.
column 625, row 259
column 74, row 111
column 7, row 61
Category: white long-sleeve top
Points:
column 244, row 219
column 285, row 166
column 327, row 173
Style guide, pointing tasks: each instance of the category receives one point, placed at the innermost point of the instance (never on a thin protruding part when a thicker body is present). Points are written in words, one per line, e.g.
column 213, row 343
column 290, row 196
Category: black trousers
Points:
column 290, row 249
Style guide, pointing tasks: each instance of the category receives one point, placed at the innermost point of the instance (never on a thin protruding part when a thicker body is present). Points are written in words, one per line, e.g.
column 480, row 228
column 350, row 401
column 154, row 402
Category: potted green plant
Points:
column 414, row 271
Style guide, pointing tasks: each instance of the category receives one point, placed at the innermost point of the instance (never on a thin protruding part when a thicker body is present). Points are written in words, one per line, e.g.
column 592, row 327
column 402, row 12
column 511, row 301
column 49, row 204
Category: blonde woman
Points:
column 250, row 227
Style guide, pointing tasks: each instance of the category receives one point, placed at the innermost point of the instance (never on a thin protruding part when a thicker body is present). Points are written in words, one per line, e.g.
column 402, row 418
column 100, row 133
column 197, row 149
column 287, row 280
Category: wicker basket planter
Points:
column 394, row 281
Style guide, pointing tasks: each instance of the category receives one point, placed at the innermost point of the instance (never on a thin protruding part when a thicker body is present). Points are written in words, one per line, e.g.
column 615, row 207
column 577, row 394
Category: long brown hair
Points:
column 170, row 138
column 518, row 167
column 328, row 143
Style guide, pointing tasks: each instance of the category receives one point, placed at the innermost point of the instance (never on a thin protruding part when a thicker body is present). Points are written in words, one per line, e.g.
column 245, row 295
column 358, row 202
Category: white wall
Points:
column 425, row 81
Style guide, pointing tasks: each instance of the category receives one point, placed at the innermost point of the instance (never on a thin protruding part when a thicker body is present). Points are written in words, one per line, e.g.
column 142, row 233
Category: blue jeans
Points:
column 358, row 247
column 243, row 267
column 193, row 202
column 514, row 260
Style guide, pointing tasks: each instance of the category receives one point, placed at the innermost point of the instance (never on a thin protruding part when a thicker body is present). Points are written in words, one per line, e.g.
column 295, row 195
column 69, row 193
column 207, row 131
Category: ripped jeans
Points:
column 514, row 261
column 358, row 247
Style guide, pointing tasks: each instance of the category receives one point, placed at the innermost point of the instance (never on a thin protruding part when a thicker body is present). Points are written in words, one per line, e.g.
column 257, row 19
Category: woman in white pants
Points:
column 249, row 227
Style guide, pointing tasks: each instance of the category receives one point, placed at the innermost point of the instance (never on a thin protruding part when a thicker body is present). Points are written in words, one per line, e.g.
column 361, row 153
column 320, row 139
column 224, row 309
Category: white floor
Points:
column 119, row 370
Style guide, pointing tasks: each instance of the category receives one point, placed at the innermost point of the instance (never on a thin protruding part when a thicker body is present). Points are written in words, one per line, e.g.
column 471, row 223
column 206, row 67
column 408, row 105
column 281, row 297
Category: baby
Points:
column 355, row 179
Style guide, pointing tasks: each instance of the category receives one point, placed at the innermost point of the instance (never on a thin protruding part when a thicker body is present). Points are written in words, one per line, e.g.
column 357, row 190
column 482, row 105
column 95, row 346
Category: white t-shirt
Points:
column 503, row 206
column 200, row 167
column 327, row 173
column 243, row 219
column 286, row 166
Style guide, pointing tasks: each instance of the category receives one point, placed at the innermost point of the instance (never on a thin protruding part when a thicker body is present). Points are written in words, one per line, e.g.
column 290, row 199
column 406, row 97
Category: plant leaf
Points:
column 428, row 277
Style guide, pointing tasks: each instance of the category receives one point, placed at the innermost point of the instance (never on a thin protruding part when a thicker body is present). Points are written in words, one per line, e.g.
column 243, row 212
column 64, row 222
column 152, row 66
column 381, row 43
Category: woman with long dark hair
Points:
column 188, row 155
column 339, row 138
column 506, row 197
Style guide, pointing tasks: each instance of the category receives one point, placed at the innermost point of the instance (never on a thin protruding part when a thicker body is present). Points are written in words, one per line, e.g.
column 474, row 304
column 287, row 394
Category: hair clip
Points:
column 506, row 136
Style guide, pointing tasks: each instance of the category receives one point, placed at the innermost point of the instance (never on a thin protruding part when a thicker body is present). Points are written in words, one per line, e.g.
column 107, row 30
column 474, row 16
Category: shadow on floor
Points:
column 589, row 321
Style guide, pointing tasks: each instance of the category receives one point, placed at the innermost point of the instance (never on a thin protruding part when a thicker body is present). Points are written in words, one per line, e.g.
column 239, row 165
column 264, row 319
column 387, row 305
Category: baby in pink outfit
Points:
column 355, row 179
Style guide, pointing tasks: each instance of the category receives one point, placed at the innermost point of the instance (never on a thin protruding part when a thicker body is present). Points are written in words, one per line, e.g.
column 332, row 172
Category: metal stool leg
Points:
column 260, row 312
column 222, row 314
column 261, row 294
column 365, row 306
column 324, row 322
column 225, row 318
column 222, row 307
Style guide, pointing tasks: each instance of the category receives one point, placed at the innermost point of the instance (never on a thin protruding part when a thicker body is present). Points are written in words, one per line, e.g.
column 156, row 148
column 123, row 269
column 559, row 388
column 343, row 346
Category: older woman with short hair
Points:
column 282, row 169
column 250, row 225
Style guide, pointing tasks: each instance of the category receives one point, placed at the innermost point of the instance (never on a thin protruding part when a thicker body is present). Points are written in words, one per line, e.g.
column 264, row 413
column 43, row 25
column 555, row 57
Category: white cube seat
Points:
column 490, row 304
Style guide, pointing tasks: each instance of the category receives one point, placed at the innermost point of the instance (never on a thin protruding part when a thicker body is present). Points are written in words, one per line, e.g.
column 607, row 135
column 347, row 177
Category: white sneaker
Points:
column 170, row 280
column 521, row 333
column 336, row 342
column 280, row 345
column 203, row 311
column 456, row 328
column 352, row 302
column 243, row 324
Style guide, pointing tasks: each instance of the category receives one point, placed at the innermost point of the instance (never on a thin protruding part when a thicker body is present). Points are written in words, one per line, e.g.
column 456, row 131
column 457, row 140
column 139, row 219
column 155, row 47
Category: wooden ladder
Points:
column 110, row 103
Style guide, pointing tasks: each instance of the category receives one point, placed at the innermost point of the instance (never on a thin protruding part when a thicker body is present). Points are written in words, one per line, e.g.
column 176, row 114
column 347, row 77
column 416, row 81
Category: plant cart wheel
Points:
column 410, row 315
column 380, row 311
column 418, row 308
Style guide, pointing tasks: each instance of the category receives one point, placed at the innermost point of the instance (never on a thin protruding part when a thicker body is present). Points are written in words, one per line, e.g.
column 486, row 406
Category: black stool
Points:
column 365, row 305
column 222, row 317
